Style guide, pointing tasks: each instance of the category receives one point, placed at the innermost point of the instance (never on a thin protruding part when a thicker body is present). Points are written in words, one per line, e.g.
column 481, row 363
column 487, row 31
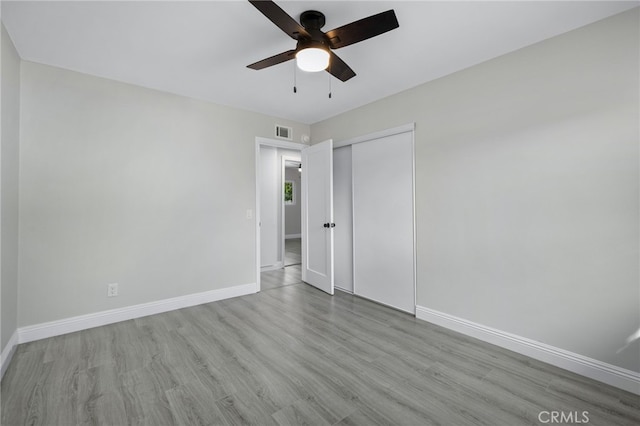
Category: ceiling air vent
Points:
column 284, row 132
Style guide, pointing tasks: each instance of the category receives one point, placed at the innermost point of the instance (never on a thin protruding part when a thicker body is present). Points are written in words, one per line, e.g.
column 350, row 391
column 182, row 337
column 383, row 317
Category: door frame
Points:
column 274, row 143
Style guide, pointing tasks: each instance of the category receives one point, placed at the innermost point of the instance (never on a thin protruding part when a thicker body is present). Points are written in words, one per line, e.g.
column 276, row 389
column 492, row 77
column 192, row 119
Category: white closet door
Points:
column 343, row 215
column 383, row 220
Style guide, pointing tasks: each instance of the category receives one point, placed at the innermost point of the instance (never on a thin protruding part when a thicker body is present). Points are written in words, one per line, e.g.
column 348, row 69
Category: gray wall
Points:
column 269, row 207
column 293, row 212
column 527, row 188
column 9, row 187
column 124, row 184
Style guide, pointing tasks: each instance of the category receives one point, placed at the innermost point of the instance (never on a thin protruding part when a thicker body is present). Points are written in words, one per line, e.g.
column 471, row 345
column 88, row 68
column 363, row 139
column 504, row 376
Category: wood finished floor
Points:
column 292, row 251
column 292, row 271
column 291, row 355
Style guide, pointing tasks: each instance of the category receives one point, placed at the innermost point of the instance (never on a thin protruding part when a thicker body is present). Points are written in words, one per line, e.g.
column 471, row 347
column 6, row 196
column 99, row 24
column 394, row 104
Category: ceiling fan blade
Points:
column 273, row 60
column 361, row 30
column 339, row 69
column 279, row 17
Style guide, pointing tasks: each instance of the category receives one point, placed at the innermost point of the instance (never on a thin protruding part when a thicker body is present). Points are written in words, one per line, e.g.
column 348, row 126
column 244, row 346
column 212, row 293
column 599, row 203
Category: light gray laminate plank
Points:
column 364, row 417
column 371, row 310
column 245, row 408
column 602, row 406
column 424, row 399
column 511, row 393
column 97, row 346
column 408, row 367
column 241, row 355
column 299, row 413
column 182, row 358
column 61, row 407
column 132, row 349
column 338, row 333
column 326, row 402
column 290, row 354
column 145, row 393
column 292, row 251
column 312, row 385
column 288, row 275
column 303, row 329
column 164, row 322
column 22, row 393
column 101, row 397
column 492, row 404
column 36, row 345
column 347, row 379
column 64, row 346
column 218, row 371
column 289, row 364
column 260, row 378
column 440, row 403
column 193, row 404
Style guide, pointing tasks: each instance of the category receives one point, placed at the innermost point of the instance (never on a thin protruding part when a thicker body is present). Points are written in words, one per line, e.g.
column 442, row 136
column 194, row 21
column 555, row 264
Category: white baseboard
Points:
column 83, row 322
column 291, row 236
column 7, row 353
column 585, row 366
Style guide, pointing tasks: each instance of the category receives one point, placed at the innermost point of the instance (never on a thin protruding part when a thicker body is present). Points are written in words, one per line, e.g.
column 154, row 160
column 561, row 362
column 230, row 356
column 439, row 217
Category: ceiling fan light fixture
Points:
column 312, row 59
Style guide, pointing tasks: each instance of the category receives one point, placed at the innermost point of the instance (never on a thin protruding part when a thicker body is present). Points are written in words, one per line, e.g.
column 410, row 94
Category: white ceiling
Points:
column 201, row 49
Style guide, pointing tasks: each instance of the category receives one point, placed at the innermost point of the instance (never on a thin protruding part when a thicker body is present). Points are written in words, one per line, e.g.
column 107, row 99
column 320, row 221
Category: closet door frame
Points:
column 382, row 134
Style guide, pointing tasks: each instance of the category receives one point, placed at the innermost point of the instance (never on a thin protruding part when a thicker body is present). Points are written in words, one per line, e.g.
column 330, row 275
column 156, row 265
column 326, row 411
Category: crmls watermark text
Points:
column 563, row 417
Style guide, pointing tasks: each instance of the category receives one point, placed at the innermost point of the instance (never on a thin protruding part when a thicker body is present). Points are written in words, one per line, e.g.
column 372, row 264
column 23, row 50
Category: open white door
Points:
column 317, row 216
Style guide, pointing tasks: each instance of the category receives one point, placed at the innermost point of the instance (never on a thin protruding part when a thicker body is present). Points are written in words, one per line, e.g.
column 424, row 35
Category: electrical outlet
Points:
column 112, row 290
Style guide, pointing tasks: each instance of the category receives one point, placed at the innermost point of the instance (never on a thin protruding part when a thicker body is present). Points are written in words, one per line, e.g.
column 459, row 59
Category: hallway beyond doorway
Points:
column 292, row 271
column 292, row 251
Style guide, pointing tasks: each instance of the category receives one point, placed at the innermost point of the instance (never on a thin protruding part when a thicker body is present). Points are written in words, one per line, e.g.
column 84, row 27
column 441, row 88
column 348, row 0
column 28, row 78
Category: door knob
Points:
column 329, row 225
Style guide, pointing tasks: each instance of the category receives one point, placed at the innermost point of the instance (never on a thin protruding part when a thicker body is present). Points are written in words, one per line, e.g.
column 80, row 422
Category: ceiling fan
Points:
column 314, row 48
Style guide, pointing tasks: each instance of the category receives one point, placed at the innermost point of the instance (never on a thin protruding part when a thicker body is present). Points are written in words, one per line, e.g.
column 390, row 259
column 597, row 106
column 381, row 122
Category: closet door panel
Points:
column 343, row 215
column 383, row 220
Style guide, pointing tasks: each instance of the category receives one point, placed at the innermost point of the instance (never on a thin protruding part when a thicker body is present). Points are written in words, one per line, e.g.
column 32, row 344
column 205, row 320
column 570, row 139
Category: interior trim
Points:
column 97, row 319
column 410, row 127
column 601, row 371
column 7, row 353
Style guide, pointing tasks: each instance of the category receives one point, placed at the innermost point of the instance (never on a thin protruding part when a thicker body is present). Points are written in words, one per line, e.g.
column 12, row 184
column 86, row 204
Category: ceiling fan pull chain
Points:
column 329, row 74
column 295, row 88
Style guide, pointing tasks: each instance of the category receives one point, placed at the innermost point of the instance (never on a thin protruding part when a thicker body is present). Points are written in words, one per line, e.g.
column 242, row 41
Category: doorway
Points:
column 289, row 197
column 277, row 263
column 292, row 217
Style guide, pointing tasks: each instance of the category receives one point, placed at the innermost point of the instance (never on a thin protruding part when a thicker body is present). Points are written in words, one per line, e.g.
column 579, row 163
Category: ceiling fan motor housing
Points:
column 312, row 20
